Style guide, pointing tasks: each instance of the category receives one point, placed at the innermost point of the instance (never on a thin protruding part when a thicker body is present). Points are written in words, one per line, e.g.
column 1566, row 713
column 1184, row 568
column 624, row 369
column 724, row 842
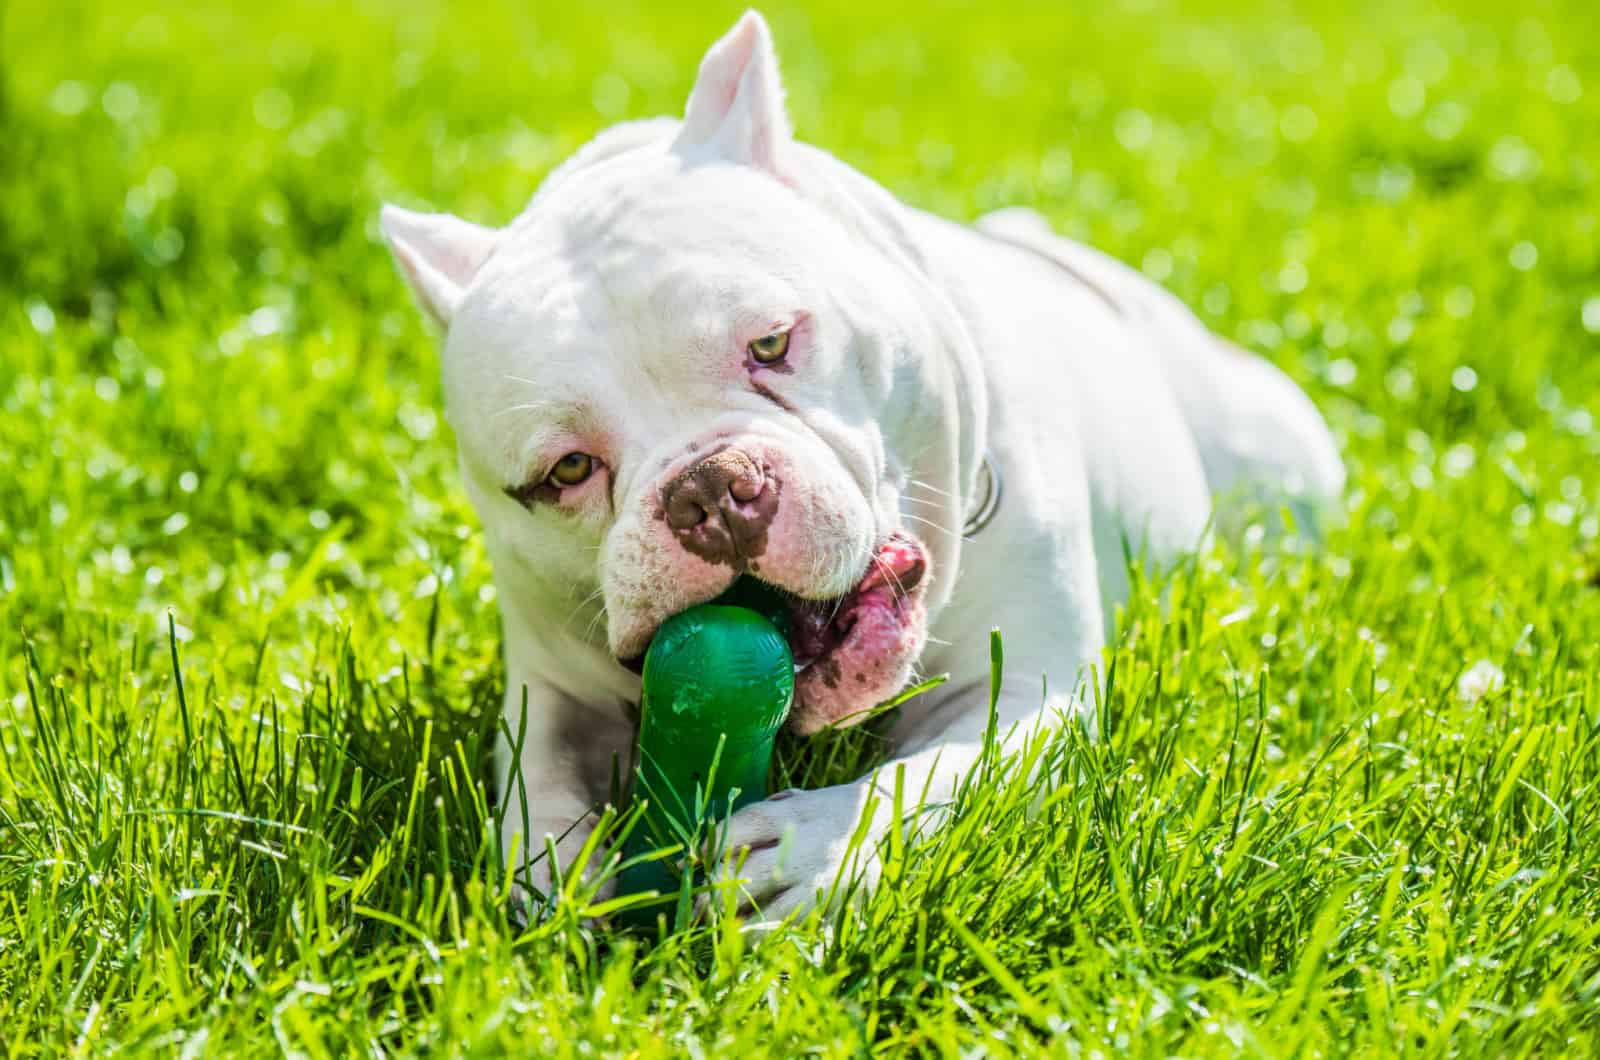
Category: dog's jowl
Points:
column 708, row 351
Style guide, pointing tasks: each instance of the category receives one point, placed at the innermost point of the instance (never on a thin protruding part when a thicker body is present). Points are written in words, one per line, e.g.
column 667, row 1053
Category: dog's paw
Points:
column 799, row 849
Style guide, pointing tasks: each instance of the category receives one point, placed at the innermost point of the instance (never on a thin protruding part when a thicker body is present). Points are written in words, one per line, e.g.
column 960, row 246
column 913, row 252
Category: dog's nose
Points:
column 721, row 507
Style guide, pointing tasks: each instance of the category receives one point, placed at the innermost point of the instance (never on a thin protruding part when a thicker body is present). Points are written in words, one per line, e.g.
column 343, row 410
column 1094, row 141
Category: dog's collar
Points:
column 990, row 489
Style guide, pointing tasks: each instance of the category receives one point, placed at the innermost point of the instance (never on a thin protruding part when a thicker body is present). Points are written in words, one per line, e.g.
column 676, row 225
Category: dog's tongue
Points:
column 817, row 627
column 860, row 651
column 899, row 566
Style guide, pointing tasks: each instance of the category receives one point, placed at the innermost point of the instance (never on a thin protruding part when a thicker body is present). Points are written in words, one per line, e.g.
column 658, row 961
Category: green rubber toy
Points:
column 718, row 683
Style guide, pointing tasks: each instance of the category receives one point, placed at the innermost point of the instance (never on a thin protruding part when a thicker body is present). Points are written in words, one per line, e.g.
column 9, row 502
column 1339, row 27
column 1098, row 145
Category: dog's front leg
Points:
column 551, row 764
column 800, row 848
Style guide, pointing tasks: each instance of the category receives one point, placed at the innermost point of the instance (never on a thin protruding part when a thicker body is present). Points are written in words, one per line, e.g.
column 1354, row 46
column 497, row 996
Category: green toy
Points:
column 718, row 683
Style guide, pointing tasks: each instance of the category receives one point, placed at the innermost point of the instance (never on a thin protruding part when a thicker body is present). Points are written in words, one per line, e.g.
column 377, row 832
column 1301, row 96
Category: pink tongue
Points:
column 815, row 630
column 900, row 560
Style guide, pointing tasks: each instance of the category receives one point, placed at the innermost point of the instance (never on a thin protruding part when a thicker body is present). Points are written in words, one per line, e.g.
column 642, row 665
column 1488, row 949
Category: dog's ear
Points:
column 736, row 110
column 438, row 254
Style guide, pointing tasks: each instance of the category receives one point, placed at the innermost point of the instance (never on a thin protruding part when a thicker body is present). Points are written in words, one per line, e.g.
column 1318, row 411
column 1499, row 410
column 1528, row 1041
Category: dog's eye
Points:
column 572, row 470
column 770, row 349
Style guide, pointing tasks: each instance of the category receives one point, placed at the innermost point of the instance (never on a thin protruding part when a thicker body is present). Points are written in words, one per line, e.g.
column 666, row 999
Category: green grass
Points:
column 261, row 827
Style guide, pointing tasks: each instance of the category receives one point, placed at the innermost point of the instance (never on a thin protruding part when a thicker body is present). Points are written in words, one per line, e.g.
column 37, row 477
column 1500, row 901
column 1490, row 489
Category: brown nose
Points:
column 721, row 507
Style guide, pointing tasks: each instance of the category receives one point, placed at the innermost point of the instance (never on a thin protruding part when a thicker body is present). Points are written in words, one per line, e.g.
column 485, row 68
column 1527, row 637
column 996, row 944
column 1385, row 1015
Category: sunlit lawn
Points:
column 1347, row 799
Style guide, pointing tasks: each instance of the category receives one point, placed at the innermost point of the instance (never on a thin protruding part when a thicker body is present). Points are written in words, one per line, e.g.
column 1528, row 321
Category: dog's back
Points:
column 1260, row 439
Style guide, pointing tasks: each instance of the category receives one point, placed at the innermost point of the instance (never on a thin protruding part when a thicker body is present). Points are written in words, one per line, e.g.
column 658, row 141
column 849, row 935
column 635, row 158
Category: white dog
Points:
column 706, row 349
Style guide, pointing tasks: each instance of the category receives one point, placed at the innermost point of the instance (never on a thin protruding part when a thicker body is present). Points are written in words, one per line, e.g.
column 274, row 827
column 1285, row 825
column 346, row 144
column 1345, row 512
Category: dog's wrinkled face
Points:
column 664, row 388
column 675, row 369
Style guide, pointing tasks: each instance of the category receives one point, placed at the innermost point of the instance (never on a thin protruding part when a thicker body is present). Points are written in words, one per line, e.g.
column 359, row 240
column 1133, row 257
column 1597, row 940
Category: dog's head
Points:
column 702, row 353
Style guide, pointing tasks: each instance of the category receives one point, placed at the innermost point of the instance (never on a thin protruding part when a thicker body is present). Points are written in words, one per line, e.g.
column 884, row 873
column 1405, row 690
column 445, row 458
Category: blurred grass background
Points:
column 218, row 401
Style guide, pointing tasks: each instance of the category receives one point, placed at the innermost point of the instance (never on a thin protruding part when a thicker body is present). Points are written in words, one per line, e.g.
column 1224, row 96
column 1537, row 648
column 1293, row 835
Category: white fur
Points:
column 611, row 315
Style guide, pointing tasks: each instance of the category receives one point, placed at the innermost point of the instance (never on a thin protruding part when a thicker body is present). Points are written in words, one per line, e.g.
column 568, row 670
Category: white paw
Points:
column 799, row 849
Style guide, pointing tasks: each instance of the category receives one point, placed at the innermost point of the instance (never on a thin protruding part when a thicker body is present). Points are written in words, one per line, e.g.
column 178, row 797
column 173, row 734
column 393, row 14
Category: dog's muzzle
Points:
column 720, row 508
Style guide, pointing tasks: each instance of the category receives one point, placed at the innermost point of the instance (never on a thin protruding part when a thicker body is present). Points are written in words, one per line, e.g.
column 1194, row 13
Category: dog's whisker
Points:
column 839, row 602
column 888, row 575
column 585, row 602
column 891, row 577
column 525, row 407
column 927, row 486
column 821, row 561
column 594, row 621
column 838, row 562
column 930, row 523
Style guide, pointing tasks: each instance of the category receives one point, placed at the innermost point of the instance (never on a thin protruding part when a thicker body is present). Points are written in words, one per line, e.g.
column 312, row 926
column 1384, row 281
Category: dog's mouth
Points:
column 848, row 650
column 817, row 628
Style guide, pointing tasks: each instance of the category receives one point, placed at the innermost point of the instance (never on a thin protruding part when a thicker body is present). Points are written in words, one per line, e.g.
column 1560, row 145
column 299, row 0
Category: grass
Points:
column 1347, row 800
